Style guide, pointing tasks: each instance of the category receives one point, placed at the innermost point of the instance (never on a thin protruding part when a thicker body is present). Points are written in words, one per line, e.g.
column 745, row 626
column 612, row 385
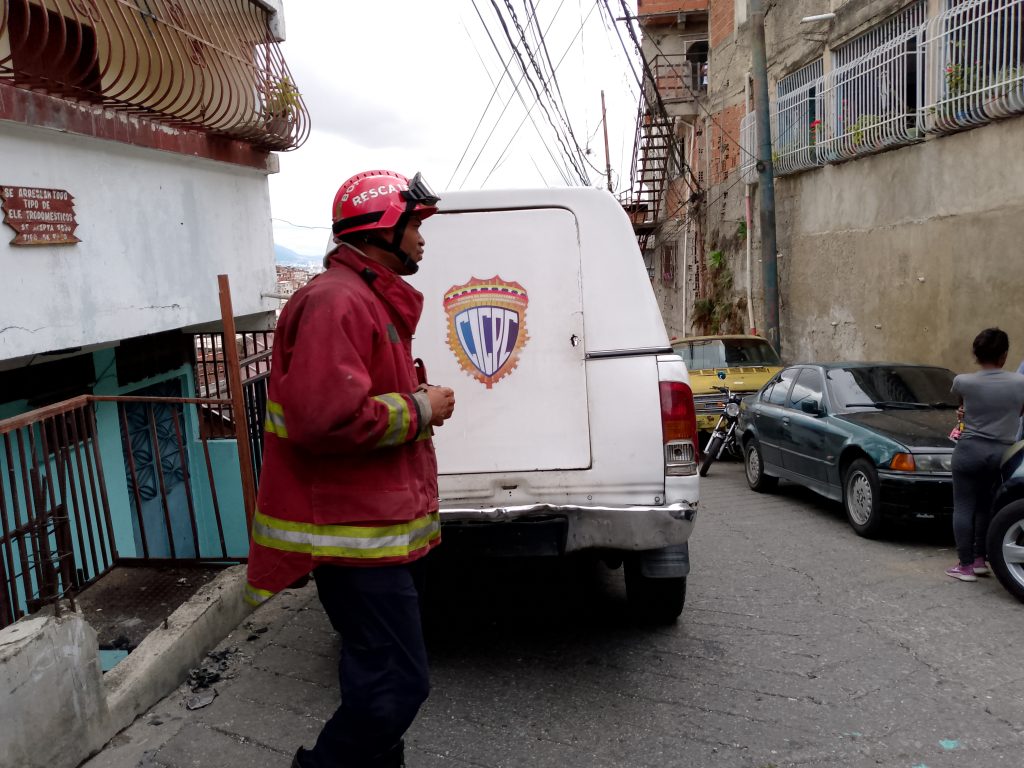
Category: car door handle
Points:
column 785, row 421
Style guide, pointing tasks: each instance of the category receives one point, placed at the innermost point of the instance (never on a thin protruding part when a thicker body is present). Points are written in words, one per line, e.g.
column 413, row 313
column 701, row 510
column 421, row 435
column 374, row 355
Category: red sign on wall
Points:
column 39, row 216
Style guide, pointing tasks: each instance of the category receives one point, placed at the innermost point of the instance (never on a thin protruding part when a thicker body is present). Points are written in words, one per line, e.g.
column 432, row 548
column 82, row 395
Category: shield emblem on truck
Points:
column 487, row 326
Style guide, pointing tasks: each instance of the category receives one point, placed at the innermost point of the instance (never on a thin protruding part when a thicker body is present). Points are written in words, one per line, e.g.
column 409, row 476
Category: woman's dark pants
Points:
column 975, row 477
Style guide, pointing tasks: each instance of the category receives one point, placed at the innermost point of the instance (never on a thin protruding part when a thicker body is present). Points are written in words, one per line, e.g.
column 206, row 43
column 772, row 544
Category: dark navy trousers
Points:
column 383, row 666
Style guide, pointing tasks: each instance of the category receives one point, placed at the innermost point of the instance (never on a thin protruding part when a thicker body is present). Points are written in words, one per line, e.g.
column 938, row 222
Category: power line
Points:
column 648, row 75
column 558, row 88
column 533, row 86
column 565, row 176
column 297, row 226
column 568, row 48
column 494, row 93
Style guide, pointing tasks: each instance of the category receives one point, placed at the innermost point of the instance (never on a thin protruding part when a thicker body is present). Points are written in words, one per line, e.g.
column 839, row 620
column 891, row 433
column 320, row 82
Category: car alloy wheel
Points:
column 861, row 498
column 754, row 468
column 858, row 488
column 1006, row 547
column 753, row 465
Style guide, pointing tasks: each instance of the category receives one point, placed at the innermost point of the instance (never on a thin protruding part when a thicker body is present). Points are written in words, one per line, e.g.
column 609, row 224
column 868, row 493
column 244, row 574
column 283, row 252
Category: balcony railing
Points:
column 676, row 77
column 973, row 55
column 191, row 64
column 94, row 482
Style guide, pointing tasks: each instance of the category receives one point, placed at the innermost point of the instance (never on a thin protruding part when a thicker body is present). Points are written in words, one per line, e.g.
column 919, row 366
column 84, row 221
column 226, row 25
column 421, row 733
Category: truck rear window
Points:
column 726, row 353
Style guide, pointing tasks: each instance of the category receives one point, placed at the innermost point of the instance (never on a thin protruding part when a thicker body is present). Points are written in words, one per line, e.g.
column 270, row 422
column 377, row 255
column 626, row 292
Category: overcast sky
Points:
column 399, row 84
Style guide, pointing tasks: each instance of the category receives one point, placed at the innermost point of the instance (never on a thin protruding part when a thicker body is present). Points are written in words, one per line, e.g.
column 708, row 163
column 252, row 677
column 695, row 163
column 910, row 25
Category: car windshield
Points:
column 726, row 353
column 873, row 387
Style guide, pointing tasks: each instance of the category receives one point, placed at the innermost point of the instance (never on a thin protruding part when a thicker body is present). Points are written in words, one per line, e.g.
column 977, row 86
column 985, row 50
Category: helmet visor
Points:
column 420, row 193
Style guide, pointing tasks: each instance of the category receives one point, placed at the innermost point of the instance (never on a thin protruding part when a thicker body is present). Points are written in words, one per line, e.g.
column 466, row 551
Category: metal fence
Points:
column 255, row 350
column 973, row 55
column 66, row 519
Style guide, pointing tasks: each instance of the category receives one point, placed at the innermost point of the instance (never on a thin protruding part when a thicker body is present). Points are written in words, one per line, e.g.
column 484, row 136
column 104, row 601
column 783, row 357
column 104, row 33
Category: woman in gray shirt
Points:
column 993, row 401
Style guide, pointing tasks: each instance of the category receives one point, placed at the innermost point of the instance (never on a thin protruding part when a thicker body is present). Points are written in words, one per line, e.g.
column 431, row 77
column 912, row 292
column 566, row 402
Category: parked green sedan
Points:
column 874, row 436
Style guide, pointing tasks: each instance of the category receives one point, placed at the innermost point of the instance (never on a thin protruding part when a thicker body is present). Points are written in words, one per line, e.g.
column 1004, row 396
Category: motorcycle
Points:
column 723, row 438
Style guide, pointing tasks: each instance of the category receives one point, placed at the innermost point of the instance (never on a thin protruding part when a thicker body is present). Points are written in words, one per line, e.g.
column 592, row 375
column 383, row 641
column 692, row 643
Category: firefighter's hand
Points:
column 442, row 404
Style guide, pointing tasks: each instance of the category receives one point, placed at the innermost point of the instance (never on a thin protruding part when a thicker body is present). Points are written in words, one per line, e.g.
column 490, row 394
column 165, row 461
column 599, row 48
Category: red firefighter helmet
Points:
column 380, row 200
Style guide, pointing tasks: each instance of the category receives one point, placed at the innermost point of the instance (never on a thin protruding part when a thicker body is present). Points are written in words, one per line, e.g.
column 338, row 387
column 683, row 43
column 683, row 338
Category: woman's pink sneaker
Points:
column 962, row 572
column 980, row 567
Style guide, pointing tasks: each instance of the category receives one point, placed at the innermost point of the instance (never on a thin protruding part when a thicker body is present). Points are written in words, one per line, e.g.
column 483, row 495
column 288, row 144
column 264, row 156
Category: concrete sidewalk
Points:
column 278, row 685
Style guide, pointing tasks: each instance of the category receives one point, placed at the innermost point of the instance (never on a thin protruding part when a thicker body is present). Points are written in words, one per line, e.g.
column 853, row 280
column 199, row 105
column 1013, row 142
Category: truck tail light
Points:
column 679, row 428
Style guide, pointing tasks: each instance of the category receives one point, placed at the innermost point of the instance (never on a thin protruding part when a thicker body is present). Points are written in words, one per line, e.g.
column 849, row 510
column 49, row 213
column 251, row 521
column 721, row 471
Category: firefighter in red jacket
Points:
column 348, row 488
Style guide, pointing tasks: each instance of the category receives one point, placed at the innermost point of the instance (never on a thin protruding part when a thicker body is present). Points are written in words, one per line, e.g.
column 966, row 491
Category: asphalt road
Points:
column 801, row 645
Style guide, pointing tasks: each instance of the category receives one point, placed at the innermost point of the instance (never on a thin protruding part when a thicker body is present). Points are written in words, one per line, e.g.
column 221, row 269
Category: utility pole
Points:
column 766, row 175
column 607, row 156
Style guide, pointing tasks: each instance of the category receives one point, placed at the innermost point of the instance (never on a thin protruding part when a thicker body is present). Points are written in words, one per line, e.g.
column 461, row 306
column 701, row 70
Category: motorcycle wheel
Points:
column 711, row 453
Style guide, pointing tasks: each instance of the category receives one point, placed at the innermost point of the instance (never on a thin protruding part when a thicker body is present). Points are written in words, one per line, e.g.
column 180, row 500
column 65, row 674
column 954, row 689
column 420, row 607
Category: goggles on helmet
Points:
column 420, row 193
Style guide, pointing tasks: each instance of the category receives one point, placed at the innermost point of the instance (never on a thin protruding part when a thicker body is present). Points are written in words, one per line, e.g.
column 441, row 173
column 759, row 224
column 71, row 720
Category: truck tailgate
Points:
column 503, row 326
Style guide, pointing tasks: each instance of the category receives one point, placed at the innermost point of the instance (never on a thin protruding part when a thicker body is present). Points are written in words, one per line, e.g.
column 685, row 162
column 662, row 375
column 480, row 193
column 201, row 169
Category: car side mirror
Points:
column 812, row 407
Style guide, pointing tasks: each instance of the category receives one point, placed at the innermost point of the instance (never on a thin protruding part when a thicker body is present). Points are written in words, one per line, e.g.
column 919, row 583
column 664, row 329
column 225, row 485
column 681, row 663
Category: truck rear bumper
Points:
column 621, row 528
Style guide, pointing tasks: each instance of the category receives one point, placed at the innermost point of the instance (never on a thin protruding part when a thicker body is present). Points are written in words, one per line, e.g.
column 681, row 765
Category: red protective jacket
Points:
column 349, row 474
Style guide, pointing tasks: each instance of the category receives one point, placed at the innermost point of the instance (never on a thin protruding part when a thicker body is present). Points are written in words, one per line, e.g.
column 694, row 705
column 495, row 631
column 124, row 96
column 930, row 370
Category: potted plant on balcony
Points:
column 281, row 106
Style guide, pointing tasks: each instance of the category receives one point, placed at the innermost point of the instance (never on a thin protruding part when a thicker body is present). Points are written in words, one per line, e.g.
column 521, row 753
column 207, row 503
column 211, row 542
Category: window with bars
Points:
column 668, row 263
column 973, row 56
column 870, row 102
column 748, row 148
column 795, row 123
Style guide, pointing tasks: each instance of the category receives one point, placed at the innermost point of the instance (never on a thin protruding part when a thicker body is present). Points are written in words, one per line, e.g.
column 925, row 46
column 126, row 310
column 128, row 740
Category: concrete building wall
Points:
column 904, row 255
column 156, row 229
column 908, row 254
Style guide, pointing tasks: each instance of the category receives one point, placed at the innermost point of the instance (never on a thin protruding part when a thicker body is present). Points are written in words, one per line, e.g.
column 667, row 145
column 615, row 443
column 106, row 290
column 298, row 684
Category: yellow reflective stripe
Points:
column 254, row 595
column 347, row 541
column 399, row 419
column 275, row 420
column 357, row 531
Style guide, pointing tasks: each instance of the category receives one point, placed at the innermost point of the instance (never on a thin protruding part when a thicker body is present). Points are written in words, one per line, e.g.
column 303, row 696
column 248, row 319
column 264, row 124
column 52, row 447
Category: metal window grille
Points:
column 973, row 62
column 910, row 18
column 748, row 148
column 192, row 64
column 668, row 263
column 794, row 117
column 870, row 103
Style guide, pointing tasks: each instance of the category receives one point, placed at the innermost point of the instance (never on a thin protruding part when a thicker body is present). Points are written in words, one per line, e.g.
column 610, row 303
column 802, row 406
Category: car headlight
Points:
column 732, row 410
column 934, row 462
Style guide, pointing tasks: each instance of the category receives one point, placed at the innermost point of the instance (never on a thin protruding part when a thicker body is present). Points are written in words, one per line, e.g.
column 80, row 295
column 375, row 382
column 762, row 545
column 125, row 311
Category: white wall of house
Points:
column 156, row 229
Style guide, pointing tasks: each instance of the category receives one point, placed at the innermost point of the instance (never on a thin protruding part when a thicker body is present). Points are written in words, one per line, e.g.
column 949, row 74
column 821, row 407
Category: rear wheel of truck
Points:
column 653, row 601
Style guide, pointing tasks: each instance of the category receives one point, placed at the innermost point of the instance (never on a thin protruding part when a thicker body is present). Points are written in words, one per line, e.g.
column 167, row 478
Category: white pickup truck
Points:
column 574, row 427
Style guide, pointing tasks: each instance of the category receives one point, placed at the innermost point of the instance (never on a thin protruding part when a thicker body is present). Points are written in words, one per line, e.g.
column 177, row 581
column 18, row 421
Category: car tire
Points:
column 1006, row 547
column 651, row 600
column 753, row 465
column 710, row 454
column 862, row 498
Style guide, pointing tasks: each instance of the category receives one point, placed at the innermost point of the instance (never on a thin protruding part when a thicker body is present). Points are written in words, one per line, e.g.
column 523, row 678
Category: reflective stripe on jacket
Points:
column 349, row 474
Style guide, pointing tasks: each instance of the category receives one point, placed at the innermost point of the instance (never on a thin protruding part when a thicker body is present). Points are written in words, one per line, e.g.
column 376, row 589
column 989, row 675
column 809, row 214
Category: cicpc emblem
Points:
column 487, row 327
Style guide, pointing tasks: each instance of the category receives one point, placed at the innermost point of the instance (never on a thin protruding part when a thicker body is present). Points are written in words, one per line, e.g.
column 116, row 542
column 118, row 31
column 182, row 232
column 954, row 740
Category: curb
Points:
column 162, row 661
